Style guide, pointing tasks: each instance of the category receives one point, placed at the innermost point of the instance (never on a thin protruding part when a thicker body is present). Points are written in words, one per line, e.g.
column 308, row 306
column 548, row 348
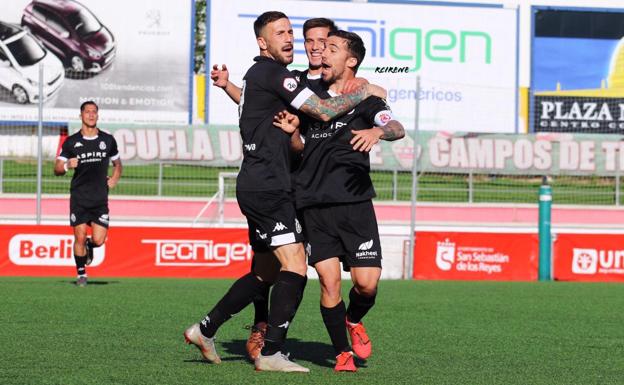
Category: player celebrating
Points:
column 334, row 191
column 263, row 190
column 315, row 33
column 88, row 152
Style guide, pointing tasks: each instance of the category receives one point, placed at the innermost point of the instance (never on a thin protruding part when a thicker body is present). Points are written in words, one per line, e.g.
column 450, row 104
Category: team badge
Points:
column 290, row 84
column 102, row 146
column 72, row 217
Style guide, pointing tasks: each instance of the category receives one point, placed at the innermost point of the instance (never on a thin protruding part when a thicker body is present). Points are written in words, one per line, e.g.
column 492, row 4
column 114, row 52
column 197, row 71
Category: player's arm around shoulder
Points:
column 386, row 127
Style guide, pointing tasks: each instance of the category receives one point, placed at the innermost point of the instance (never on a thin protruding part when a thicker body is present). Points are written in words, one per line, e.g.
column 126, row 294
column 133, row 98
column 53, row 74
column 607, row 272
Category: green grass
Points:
column 180, row 180
column 129, row 331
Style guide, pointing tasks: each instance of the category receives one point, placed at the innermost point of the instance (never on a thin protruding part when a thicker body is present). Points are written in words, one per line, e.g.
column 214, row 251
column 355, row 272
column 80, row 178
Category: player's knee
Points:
column 330, row 292
column 98, row 241
column 80, row 238
column 367, row 289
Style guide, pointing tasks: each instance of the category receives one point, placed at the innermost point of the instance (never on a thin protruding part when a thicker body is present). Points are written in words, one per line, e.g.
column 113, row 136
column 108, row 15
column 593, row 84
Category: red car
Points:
column 72, row 32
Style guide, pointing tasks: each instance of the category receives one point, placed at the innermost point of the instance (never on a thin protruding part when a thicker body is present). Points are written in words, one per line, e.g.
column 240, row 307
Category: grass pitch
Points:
column 129, row 331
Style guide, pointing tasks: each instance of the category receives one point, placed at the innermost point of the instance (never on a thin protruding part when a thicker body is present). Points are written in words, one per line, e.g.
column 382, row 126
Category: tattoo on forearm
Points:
column 393, row 130
column 330, row 108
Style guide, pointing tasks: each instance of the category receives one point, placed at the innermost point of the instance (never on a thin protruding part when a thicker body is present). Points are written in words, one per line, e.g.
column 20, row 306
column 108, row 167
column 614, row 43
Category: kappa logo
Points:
column 308, row 249
column 78, row 144
column 585, row 261
column 290, row 84
column 351, row 112
column 104, row 218
column 72, row 217
column 279, row 226
column 284, row 325
column 298, row 228
column 102, row 146
column 366, row 245
column 445, row 255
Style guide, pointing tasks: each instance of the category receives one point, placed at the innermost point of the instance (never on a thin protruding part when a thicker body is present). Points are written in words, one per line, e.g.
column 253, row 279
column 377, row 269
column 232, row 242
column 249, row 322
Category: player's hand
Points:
column 364, row 140
column 353, row 84
column 375, row 90
column 219, row 76
column 286, row 121
column 72, row 163
column 112, row 182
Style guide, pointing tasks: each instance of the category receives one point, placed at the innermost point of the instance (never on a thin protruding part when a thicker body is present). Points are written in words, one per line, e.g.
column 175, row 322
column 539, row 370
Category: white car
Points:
column 20, row 57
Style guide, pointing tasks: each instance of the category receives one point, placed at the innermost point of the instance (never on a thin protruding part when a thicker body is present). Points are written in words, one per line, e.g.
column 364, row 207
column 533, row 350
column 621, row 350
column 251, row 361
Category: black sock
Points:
column 285, row 298
column 81, row 261
column 334, row 320
column 241, row 293
column 359, row 305
column 261, row 306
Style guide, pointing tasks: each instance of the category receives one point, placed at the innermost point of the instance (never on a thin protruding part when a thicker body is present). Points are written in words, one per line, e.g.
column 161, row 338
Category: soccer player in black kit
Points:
column 264, row 187
column 334, row 192
column 264, row 264
column 88, row 152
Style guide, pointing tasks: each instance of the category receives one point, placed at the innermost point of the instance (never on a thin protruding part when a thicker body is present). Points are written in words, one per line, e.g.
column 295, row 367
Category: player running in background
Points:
column 315, row 33
column 264, row 186
column 88, row 153
column 334, row 192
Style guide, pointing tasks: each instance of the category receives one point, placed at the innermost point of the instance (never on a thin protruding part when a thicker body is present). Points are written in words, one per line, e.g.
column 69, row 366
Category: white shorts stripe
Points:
column 283, row 239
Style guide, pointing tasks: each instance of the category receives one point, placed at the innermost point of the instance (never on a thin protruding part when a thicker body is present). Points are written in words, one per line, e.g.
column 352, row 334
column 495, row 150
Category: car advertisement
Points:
column 131, row 57
column 578, row 71
column 476, row 256
column 465, row 57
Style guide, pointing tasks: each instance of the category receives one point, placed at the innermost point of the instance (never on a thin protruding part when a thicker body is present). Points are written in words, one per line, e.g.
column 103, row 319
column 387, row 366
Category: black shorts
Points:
column 87, row 212
column 346, row 230
column 271, row 218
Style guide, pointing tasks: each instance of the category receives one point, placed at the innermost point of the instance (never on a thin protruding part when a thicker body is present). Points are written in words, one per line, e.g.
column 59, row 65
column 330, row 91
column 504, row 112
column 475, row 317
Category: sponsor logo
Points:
column 290, row 84
column 189, row 252
column 366, row 245
column 47, row 250
column 298, row 228
column 445, row 255
column 104, row 218
column 78, row 144
column 364, row 252
column 473, row 259
column 597, row 261
column 279, row 226
column 102, row 145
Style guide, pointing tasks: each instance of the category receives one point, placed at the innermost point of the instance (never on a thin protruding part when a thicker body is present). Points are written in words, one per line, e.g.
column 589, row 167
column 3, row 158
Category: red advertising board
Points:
column 476, row 256
column 128, row 252
column 589, row 257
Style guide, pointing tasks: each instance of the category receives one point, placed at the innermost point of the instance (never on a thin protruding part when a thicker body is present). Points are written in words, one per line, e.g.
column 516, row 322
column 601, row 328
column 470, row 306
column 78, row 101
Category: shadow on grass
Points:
column 91, row 283
column 318, row 353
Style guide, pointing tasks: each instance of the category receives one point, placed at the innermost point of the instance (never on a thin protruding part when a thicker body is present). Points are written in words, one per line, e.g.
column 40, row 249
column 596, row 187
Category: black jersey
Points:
column 89, row 183
column 268, row 88
column 331, row 171
column 313, row 82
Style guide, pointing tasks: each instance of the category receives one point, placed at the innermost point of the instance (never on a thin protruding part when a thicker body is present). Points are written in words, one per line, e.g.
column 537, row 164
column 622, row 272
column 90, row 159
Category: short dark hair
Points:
column 266, row 18
column 88, row 102
column 319, row 22
column 355, row 45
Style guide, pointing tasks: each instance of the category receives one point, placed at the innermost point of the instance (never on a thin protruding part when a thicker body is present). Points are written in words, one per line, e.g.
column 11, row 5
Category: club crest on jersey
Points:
column 72, row 217
column 290, row 84
column 102, row 146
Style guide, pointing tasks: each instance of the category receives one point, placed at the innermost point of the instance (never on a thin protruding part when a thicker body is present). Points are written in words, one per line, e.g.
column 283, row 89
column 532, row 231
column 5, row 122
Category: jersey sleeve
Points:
column 114, row 152
column 379, row 112
column 66, row 151
column 285, row 84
